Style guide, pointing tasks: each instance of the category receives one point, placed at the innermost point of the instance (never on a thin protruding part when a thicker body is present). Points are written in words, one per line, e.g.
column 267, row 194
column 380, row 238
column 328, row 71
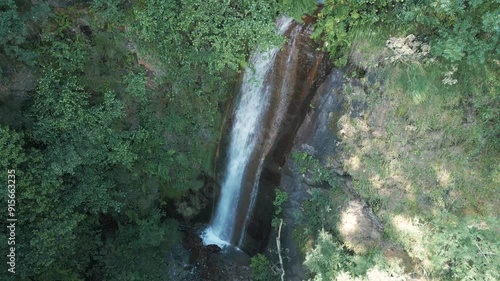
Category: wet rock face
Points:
column 178, row 266
column 196, row 204
column 201, row 258
column 298, row 71
column 317, row 137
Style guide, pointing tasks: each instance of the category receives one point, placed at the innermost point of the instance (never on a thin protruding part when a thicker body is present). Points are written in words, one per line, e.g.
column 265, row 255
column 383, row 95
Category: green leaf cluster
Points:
column 281, row 197
column 261, row 268
column 462, row 30
column 339, row 18
column 12, row 153
column 298, row 8
column 327, row 258
column 191, row 39
column 15, row 27
column 81, row 167
column 465, row 249
column 457, row 31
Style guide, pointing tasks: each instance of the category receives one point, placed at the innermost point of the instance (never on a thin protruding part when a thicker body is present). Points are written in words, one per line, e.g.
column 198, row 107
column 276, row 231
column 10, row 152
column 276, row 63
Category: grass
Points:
column 425, row 121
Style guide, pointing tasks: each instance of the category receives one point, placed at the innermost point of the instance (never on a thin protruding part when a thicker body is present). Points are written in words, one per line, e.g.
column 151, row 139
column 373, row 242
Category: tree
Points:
column 14, row 28
column 339, row 18
column 137, row 251
column 12, row 153
column 199, row 45
column 262, row 268
column 462, row 30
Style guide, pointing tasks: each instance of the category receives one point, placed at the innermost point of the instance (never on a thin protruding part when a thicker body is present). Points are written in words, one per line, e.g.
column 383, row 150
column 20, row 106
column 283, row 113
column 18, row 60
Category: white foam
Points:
column 209, row 238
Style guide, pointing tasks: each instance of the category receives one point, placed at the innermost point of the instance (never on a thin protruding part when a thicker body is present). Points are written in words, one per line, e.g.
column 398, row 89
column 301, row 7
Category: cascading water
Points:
column 281, row 107
column 274, row 98
column 253, row 100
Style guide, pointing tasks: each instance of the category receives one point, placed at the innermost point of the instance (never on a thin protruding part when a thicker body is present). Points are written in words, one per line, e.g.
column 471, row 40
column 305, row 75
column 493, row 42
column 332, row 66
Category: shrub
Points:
column 261, row 268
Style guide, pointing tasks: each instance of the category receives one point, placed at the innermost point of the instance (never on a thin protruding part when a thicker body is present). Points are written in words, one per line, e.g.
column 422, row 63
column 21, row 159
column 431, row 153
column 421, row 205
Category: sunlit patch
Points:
column 376, row 181
column 347, row 129
column 354, row 163
column 443, row 177
column 361, row 125
column 413, row 234
column 349, row 223
column 404, row 224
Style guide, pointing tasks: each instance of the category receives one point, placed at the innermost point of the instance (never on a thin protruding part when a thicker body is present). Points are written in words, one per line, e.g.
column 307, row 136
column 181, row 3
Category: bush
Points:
column 465, row 249
column 262, row 268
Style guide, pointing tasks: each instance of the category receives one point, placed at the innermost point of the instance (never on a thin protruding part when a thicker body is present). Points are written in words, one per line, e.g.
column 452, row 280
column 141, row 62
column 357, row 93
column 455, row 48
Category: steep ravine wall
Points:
column 316, row 137
column 298, row 71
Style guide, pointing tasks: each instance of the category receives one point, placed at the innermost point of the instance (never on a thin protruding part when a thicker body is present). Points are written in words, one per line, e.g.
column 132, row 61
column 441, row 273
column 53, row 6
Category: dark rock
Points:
column 197, row 203
column 318, row 137
column 85, row 29
column 212, row 249
column 178, row 267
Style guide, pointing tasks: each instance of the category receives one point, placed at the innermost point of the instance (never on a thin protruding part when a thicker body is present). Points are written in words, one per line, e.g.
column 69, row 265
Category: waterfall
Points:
column 253, row 100
column 273, row 99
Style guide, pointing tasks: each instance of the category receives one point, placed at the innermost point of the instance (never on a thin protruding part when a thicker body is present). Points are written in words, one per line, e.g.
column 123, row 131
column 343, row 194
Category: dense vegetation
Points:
column 111, row 109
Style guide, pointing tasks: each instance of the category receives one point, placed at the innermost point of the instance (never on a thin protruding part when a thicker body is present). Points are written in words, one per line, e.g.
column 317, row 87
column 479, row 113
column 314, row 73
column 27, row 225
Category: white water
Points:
column 253, row 100
column 281, row 107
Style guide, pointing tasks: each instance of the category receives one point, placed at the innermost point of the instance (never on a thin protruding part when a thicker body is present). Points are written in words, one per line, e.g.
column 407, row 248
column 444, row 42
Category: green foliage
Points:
column 82, row 152
column 339, row 18
column 108, row 14
column 312, row 168
column 320, row 212
column 12, row 153
column 14, row 28
column 310, row 165
column 281, row 197
column 262, row 268
column 431, row 127
column 465, row 249
column 327, row 258
column 78, row 146
column 298, row 8
column 169, row 140
column 198, row 46
column 457, row 30
column 205, row 36
column 483, row 95
column 137, row 250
